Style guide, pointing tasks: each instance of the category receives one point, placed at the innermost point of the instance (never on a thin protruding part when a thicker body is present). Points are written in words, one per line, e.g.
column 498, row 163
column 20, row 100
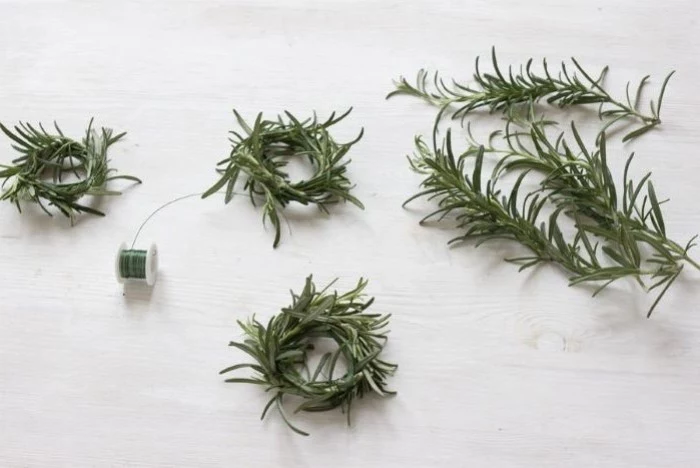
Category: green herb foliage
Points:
column 500, row 91
column 262, row 152
column 279, row 351
column 45, row 159
column 577, row 182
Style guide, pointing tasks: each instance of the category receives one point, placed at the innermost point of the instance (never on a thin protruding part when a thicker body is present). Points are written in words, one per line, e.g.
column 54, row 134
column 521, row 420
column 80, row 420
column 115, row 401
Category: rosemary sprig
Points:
column 577, row 184
column 500, row 91
column 54, row 155
column 261, row 155
column 579, row 181
column 280, row 351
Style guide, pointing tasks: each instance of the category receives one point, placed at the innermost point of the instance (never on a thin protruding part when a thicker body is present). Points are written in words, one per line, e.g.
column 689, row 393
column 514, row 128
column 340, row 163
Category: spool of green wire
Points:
column 135, row 264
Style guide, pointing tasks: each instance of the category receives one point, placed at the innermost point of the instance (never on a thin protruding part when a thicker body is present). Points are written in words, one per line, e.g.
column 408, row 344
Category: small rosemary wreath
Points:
column 47, row 158
column 280, row 351
column 262, row 155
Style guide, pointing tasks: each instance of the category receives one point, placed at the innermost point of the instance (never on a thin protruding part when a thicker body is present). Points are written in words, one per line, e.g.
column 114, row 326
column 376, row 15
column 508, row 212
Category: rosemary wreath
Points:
column 37, row 175
column 262, row 155
column 280, row 351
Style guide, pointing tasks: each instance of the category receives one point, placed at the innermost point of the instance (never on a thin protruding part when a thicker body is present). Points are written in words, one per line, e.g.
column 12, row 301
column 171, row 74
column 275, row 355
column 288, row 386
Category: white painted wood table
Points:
column 496, row 368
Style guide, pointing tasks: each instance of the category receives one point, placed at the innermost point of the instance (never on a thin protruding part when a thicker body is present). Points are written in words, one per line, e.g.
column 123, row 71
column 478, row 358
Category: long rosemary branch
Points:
column 500, row 91
column 578, row 185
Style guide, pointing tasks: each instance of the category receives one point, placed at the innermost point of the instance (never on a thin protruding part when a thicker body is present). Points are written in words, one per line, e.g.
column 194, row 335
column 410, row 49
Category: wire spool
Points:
column 137, row 265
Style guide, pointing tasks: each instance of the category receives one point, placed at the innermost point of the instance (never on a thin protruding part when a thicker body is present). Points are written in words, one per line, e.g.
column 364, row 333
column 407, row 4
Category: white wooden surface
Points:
column 92, row 377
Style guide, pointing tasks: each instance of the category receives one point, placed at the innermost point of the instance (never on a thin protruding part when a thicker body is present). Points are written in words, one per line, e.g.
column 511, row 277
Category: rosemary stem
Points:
column 644, row 118
column 688, row 259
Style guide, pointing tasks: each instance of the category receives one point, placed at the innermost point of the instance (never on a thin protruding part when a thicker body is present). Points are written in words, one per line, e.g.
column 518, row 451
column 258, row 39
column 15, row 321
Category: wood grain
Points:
column 496, row 368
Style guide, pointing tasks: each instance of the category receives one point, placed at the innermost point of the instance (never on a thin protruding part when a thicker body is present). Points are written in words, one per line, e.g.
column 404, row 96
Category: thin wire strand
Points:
column 160, row 208
column 184, row 197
